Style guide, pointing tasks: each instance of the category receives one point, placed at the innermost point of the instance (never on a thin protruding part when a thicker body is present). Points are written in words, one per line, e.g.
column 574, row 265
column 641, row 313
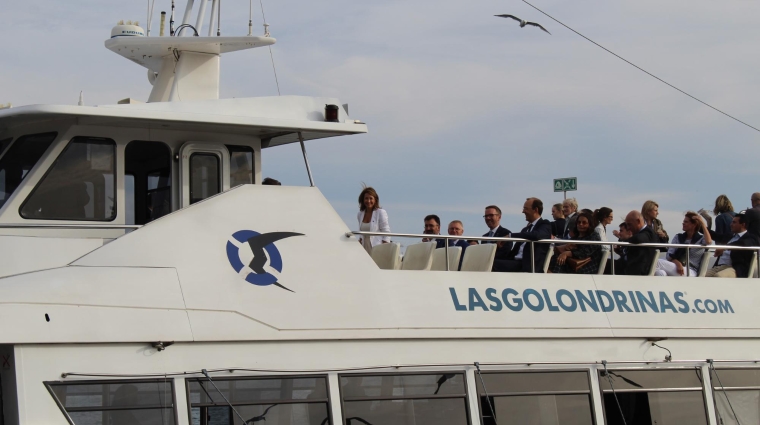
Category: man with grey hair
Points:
column 570, row 210
column 755, row 199
column 639, row 259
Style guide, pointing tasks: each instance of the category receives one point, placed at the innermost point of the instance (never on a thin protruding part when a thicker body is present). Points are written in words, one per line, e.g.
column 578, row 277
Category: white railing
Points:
column 559, row 241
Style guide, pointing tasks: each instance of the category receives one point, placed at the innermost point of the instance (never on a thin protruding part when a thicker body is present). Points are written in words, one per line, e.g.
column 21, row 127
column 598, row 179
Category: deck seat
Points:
column 439, row 258
column 418, row 256
column 704, row 265
column 654, row 263
column 479, row 258
column 603, row 262
column 386, row 255
column 548, row 259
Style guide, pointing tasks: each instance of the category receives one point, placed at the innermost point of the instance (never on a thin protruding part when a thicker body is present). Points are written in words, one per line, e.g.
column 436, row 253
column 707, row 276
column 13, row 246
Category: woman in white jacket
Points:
column 372, row 218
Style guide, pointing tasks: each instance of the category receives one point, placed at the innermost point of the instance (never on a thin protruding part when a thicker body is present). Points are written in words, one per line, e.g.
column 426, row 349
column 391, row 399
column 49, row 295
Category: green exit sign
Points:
column 566, row 184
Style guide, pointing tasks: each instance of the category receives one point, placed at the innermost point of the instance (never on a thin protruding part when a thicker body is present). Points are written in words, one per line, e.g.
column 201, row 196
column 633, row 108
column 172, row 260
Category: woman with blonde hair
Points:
column 372, row 218
column 724, row 214
column 649, row 211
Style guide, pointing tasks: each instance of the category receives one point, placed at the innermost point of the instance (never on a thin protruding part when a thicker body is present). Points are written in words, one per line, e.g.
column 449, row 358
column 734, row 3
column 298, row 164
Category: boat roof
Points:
column 275, row 120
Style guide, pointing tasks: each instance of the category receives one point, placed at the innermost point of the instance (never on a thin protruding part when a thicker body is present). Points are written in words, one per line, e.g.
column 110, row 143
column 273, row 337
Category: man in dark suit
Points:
column 558, row 225
column 493, row 220
column 520, row 258
column 639, row 259
column 741, row 259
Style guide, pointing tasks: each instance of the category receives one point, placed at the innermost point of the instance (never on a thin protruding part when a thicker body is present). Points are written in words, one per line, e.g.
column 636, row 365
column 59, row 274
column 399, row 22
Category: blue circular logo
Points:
column 247, row 243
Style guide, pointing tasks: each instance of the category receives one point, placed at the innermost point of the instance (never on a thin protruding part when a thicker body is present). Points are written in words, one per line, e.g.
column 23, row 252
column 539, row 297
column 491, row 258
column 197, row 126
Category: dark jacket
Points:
column 502, row 252
column 741, row 259
column 542, row 230
column 558, row 227
column 639, row 259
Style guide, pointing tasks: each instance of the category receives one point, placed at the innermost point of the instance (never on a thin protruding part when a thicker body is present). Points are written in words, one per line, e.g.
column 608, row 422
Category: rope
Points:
column 609, row 378
column 642, row 69
column 712, row 369
column 488, row 399
column 271, row 55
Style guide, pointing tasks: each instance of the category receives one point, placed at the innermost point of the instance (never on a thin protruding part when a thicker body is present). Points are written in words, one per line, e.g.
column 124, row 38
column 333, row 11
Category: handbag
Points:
column 575, row 264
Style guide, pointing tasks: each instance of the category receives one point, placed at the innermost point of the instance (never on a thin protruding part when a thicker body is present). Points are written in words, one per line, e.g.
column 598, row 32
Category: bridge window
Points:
column 293, row 401
column 557, row 398
column 148, row 191
column 737, row 395
column 664, row 397
column 80, row 185
column 4, row 144
column 431, row 399
column 205, row 179
column 142, row 402
column 241, row 165
column 19, row 160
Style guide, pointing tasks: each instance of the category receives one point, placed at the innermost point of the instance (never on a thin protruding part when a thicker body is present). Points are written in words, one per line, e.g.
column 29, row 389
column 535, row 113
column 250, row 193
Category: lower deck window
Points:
column 663, row 397
column 292, row 401
column 516, row 398
column 432, row 399
column 737, row 395
column 116, row 402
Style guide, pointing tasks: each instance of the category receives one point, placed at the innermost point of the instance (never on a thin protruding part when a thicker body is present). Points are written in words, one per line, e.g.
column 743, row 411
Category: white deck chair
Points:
column 479, row 258
column 386, row 255
column 704, row 265
column 439, row 258
column 654, row 263
column 752, row 266
column 418, row 256
column 548, row 258
column 603, row 262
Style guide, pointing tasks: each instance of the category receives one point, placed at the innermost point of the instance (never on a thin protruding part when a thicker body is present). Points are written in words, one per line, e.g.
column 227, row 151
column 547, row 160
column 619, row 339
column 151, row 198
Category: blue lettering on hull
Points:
column 591, row 301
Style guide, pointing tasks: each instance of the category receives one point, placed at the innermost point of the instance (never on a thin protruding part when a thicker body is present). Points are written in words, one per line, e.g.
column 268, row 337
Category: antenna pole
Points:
column 186, row 17
column 250, row 17
column 163, row 24
column 214, row 6
column 150, row 14
column 201, row 15
column 171, row 21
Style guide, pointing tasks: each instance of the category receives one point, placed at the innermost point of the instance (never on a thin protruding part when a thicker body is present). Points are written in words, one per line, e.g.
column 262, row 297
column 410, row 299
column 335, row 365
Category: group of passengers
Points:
column 571, row 225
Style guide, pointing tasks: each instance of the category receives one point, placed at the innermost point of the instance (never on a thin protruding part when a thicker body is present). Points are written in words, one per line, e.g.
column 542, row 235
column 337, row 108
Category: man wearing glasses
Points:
column 493, row 219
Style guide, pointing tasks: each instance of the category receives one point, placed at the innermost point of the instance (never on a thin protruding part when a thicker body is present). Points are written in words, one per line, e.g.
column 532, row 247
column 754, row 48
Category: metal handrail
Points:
column 68, row 226
column 558, row 241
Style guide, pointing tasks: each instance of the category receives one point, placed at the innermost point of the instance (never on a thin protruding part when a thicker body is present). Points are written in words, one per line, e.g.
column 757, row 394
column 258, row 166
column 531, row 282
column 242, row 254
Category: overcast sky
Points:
column 464, row 109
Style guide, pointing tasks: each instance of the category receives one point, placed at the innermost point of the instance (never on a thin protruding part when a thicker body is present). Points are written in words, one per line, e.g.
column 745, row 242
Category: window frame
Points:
column 243, row 148
column 185, row 151
column 260, row 377
column 11, row 145
column 716, row 388
column 701, row 389
column 42, row 179
column 219, row 175
column 590, row 391
column 49, row 386
column 465, row 396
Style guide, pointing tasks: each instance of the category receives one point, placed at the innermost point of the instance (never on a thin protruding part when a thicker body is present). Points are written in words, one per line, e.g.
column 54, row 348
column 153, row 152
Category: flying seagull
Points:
column 523, row 23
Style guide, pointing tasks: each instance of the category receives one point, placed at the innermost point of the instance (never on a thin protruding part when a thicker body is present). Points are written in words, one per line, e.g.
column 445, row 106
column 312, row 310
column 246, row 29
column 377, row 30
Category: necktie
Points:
column 530, row 227
column 491, row 233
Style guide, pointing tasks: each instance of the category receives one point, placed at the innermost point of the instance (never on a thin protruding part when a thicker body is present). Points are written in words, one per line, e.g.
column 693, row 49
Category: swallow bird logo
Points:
column 251, row 254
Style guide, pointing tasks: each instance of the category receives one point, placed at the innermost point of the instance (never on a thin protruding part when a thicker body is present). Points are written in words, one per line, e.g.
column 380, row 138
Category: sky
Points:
column 464, row 109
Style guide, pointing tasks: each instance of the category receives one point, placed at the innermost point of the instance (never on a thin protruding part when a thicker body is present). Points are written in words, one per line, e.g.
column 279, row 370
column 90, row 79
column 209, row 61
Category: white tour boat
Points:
column 148, row 277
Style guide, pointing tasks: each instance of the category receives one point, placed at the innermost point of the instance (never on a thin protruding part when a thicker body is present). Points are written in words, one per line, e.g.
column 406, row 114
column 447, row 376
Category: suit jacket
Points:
column 542, row 230
column 502, row 253
column 440, row 243
column 569, row 225
column 558, row 227
column 639, row 259
column 741, row 259
column 378, row 223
